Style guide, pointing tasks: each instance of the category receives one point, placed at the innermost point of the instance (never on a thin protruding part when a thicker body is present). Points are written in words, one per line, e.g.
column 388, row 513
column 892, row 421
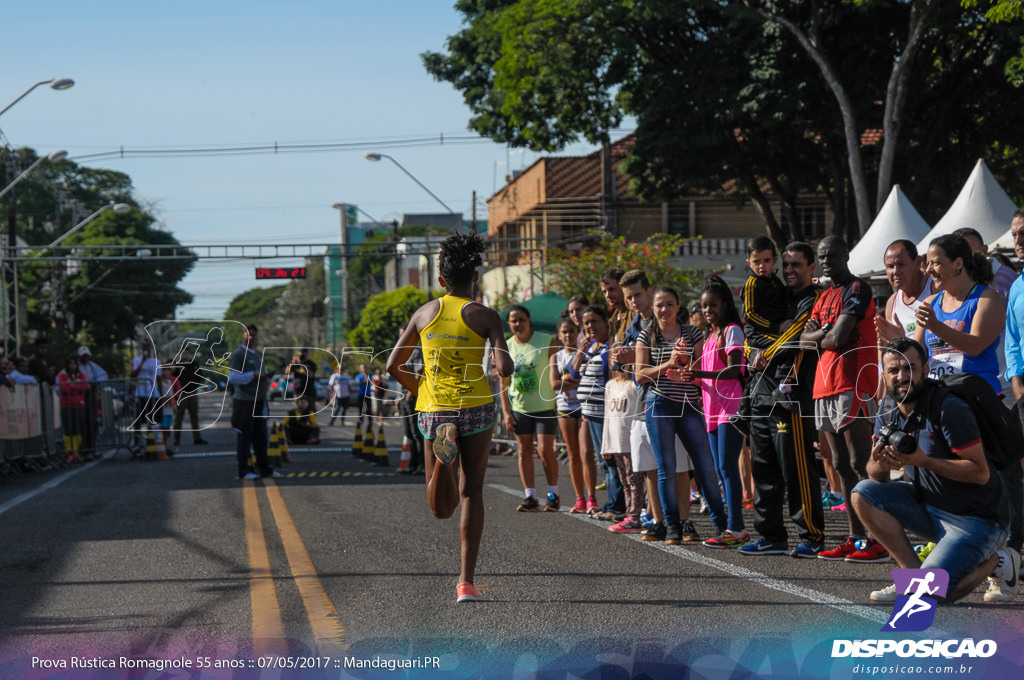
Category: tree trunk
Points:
column 854, row 161
column 764, row 206
column 895, row 98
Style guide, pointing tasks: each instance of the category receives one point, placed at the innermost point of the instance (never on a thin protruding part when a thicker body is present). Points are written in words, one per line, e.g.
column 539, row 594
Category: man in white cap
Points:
column 87, row 366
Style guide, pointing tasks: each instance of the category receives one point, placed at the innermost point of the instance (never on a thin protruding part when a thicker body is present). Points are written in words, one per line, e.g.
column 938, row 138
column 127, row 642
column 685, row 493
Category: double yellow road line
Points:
column 267, row 624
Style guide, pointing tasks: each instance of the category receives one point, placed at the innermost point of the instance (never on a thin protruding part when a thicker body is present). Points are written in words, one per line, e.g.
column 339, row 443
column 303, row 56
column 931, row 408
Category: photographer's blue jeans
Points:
column 961, row 542
column 613, row 485
column 665, row 420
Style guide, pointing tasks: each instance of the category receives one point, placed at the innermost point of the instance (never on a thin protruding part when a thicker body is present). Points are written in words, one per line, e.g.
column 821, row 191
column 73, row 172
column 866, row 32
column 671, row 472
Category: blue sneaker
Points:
column 829, row 500
column 646, row 518
column 807, row 549
column 763, row 546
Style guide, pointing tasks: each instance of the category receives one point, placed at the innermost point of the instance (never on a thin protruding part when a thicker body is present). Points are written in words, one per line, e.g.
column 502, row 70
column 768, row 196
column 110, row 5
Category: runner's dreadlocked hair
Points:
column 460, row 257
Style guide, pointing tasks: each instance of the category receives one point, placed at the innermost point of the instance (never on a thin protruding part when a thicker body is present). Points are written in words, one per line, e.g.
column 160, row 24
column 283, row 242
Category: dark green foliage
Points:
column 383, row 315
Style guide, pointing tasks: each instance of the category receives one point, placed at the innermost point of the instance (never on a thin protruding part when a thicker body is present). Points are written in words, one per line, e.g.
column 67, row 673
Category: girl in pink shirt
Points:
column 719, row 377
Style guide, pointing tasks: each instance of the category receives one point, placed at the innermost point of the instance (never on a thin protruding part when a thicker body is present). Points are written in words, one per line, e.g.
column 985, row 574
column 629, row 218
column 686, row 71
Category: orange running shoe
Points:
column 467, row 593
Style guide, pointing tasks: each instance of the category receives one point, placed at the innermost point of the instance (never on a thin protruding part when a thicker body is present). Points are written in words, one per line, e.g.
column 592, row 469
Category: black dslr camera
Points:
column 901, row 441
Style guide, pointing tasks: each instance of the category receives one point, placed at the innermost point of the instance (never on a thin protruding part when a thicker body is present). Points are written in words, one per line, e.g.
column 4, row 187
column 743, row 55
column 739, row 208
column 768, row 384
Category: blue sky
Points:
column 192, row 74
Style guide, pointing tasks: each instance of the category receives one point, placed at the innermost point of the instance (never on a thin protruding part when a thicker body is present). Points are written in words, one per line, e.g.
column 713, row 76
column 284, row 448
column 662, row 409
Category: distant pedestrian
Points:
column 73, row 387
column 341, row 385
column 249, row 408
column 300, row 426
column 37, row 362
column 93, row 371
column 143, row 374
column 188, row 397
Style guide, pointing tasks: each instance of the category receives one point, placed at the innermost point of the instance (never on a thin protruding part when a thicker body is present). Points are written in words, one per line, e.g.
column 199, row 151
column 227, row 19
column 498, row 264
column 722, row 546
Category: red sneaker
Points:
column 626, row 526
column 869, row 551
column 465, row 592
column 848, row 547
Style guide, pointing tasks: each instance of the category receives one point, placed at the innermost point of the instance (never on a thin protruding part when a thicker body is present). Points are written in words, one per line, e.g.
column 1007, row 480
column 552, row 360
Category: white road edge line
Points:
column 55, row 482
column 815, row 596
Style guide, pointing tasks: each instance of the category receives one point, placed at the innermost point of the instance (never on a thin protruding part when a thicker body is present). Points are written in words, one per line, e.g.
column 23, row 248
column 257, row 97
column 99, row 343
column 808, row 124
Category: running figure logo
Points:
column 913, row 610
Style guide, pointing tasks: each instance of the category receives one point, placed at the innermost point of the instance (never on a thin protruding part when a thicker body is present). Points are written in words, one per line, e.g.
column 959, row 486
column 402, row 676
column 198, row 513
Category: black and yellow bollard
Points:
column 381, row 452
column 357, row 440
column 274, row 447
column 282, row 443
column 151, row 453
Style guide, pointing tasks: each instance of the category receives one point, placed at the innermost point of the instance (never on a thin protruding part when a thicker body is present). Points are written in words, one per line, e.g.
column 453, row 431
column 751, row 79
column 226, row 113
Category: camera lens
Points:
column 903, row 442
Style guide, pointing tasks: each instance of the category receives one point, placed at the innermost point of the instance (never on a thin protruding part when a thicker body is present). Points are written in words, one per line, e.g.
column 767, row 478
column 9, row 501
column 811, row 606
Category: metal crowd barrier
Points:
column 32, row 433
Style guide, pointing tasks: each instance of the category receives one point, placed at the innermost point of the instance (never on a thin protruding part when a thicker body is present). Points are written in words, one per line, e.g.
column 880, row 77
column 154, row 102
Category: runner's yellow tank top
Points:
column 453, row 354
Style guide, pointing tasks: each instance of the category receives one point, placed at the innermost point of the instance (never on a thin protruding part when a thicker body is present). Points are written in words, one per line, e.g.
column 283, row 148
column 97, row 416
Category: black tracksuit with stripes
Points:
column 781, row 440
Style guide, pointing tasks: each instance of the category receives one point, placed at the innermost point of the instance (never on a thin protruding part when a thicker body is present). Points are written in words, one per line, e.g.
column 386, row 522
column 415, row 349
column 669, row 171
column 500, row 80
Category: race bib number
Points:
column 525, row 380
column 945, row 364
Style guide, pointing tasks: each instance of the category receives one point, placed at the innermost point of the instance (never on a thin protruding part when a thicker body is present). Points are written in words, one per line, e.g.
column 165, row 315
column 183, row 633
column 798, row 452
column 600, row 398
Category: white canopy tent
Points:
column 1004, row 242
column 982, row 204
column 898, row 219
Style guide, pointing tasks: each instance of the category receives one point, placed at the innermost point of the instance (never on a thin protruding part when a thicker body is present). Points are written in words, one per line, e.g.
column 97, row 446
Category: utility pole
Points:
column 430, row 267
column 12, row 306
column 398, row 257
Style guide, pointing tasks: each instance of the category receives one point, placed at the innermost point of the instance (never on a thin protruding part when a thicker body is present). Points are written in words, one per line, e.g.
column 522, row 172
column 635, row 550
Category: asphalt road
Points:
column 342, row 559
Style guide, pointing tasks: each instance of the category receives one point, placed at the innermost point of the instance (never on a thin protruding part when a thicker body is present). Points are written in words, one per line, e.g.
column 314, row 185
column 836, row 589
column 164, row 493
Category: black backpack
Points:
column 1001, row 433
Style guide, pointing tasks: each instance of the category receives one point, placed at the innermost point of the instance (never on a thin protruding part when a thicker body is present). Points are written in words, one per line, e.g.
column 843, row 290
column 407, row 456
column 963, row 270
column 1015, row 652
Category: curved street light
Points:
column 53, row 156
column 55, row 83
column 377, row 156
column 119, row 208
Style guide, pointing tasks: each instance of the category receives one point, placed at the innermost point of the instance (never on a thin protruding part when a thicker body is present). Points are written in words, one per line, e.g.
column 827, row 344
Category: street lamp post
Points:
column 345, row 307
column 55, row 83
column 430, row 268
column 53, row 156
column 378, row 156
column 118, row 208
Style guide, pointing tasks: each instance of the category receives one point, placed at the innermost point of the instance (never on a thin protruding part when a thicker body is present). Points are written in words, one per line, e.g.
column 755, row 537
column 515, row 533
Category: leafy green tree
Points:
column 97, row 301
column 758, row 95
column 383, row 315
column 581, row 273
column 253, row 306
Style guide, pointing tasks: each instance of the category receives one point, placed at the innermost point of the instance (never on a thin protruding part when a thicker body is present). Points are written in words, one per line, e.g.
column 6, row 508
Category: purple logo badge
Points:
column 913, row 610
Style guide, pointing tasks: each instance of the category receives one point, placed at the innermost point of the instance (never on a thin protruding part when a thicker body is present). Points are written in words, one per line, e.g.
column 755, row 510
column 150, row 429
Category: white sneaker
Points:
column 994, row 592
column 1005, row 582
column 886, row 594
column 250, row 475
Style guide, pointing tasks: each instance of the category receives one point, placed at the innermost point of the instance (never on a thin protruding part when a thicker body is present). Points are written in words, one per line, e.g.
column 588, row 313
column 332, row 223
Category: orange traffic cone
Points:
column 406, row 457
column 161, row 448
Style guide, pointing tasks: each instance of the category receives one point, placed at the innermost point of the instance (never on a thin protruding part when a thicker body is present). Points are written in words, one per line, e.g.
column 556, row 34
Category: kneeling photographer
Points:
column 950, row 494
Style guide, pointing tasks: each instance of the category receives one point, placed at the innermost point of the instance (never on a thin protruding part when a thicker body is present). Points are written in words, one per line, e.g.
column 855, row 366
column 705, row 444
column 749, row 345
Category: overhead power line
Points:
column 277, row 148
column 439, row 139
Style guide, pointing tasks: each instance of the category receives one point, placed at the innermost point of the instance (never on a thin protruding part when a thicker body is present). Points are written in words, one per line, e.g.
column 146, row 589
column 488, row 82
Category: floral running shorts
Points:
column 467, row 421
